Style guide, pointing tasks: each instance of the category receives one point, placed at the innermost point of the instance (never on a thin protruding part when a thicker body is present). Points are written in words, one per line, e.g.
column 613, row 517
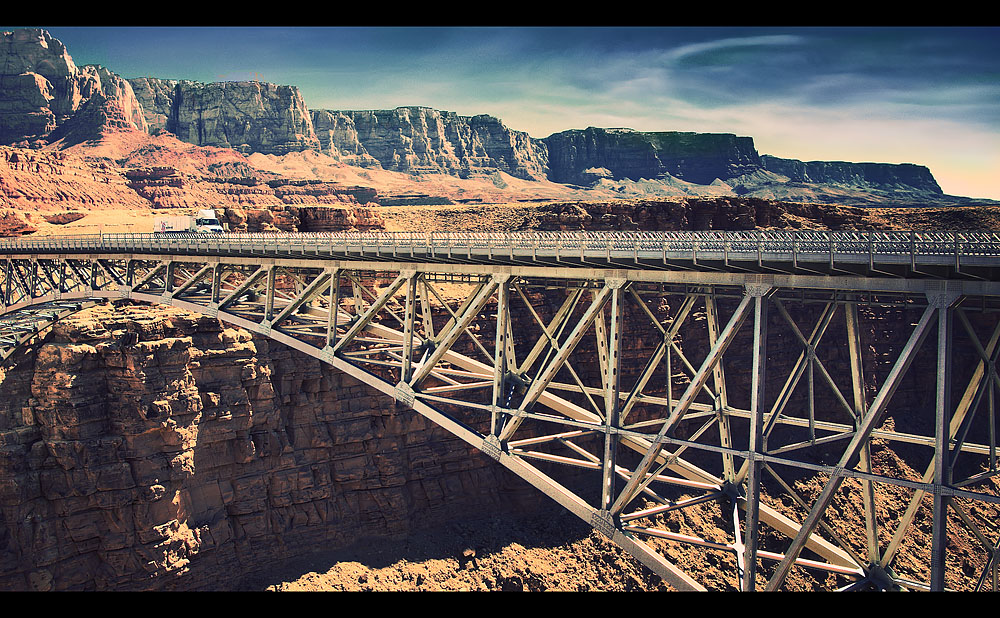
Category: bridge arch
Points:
column 392, row 325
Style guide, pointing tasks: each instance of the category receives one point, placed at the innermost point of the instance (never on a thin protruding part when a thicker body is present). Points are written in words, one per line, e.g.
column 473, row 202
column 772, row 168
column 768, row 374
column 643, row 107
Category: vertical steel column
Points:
column 942, row 461
column 6, row 282
column 612, row 388
column 359, row 299
column 426, row 312
column 168, row 277
column 409, row 319
column 331, row 321
column 269, row 303
column 33, row 278
column 860, row 405
column 759, row 367
column 500, row 359
column 216, row 283
column 92, row 276
column 721, row 399
column 601, row 335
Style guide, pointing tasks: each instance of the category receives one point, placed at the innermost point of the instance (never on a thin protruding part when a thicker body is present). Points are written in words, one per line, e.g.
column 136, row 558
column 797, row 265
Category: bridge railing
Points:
column 788, row 242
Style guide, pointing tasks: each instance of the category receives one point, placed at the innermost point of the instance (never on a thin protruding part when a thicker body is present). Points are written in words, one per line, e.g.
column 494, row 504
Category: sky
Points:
column 928, row 95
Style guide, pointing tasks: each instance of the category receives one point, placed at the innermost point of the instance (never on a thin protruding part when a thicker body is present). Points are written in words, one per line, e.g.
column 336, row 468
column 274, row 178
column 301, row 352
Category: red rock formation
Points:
column 146, row 448
column 302, row 219
column 722, row 213
column 46, row 181
column 14, row 223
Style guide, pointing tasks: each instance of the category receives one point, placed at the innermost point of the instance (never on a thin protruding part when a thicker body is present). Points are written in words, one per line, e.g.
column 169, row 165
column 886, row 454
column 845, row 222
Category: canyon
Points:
column 147, row 448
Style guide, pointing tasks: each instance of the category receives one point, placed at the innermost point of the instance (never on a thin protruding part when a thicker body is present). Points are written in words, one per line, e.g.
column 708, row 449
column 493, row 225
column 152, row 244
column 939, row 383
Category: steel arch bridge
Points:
column 633, row 376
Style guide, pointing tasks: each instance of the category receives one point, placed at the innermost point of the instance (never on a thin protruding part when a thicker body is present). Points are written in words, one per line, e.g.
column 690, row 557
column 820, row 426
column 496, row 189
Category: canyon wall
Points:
column 145, row 448
column 157, row 99
column 693, row 213
column 901, row 176
column 578, row 156
column 422, row 139
column 245, row 116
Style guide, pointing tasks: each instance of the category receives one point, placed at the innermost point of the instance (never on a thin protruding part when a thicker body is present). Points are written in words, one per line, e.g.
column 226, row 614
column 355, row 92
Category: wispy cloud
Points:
column 685, row 51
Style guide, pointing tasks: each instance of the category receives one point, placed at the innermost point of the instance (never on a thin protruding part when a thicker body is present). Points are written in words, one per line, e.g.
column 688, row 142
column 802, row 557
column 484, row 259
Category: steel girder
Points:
column 645, row 401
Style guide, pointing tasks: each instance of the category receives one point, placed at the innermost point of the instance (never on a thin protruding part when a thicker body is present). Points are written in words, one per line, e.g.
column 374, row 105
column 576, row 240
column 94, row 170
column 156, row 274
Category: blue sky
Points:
column 929, row 96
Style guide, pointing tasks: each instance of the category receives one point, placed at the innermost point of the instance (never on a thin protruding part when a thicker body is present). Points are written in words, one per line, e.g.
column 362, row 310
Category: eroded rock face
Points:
column 695, row 213
column 149, row 448
column 414, row 139
column 885, row 176
column 157, row 99
column 246, row 116
column 302, row 219
column 338, row 137
column 623, row 153
column 43, row 90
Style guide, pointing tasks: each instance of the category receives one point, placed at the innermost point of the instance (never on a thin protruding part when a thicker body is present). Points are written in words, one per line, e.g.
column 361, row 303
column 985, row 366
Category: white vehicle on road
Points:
column 205, row 222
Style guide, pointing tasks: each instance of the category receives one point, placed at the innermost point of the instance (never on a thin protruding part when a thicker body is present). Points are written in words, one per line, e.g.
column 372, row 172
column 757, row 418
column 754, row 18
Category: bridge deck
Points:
column 962, row 255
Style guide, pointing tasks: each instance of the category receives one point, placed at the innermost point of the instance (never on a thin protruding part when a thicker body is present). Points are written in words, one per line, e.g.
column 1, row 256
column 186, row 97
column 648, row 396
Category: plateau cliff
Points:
column 581, row 156
column 904, row 176
column 246, row 116
column 423, row 139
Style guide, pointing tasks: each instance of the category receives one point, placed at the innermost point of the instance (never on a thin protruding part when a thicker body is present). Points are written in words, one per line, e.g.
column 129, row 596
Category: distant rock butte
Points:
column 864, row 175
column 45, row 98
column 694, row 157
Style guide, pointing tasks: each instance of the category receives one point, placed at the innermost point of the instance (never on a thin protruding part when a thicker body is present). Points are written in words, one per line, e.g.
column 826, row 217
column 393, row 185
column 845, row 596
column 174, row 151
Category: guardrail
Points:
column 792, row 243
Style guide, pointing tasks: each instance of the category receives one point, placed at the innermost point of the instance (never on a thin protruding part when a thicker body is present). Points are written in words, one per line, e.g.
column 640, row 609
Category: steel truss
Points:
column 641, row 400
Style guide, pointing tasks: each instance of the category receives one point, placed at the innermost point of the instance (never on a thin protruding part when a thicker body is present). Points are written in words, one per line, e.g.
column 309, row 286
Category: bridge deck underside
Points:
column 783, row 409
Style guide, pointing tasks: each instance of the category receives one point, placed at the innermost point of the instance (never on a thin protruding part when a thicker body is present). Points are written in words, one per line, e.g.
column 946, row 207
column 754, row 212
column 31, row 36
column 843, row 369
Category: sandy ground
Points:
column 550, row 552
column 101, row 222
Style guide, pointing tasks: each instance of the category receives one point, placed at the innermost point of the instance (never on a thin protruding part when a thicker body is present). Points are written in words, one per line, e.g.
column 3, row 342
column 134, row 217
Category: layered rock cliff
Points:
column 581, row 156
column 246, row 116
column 46, row 96
column 157, row 99
column 422, row 139
column 884, row 176
column 148, row 448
